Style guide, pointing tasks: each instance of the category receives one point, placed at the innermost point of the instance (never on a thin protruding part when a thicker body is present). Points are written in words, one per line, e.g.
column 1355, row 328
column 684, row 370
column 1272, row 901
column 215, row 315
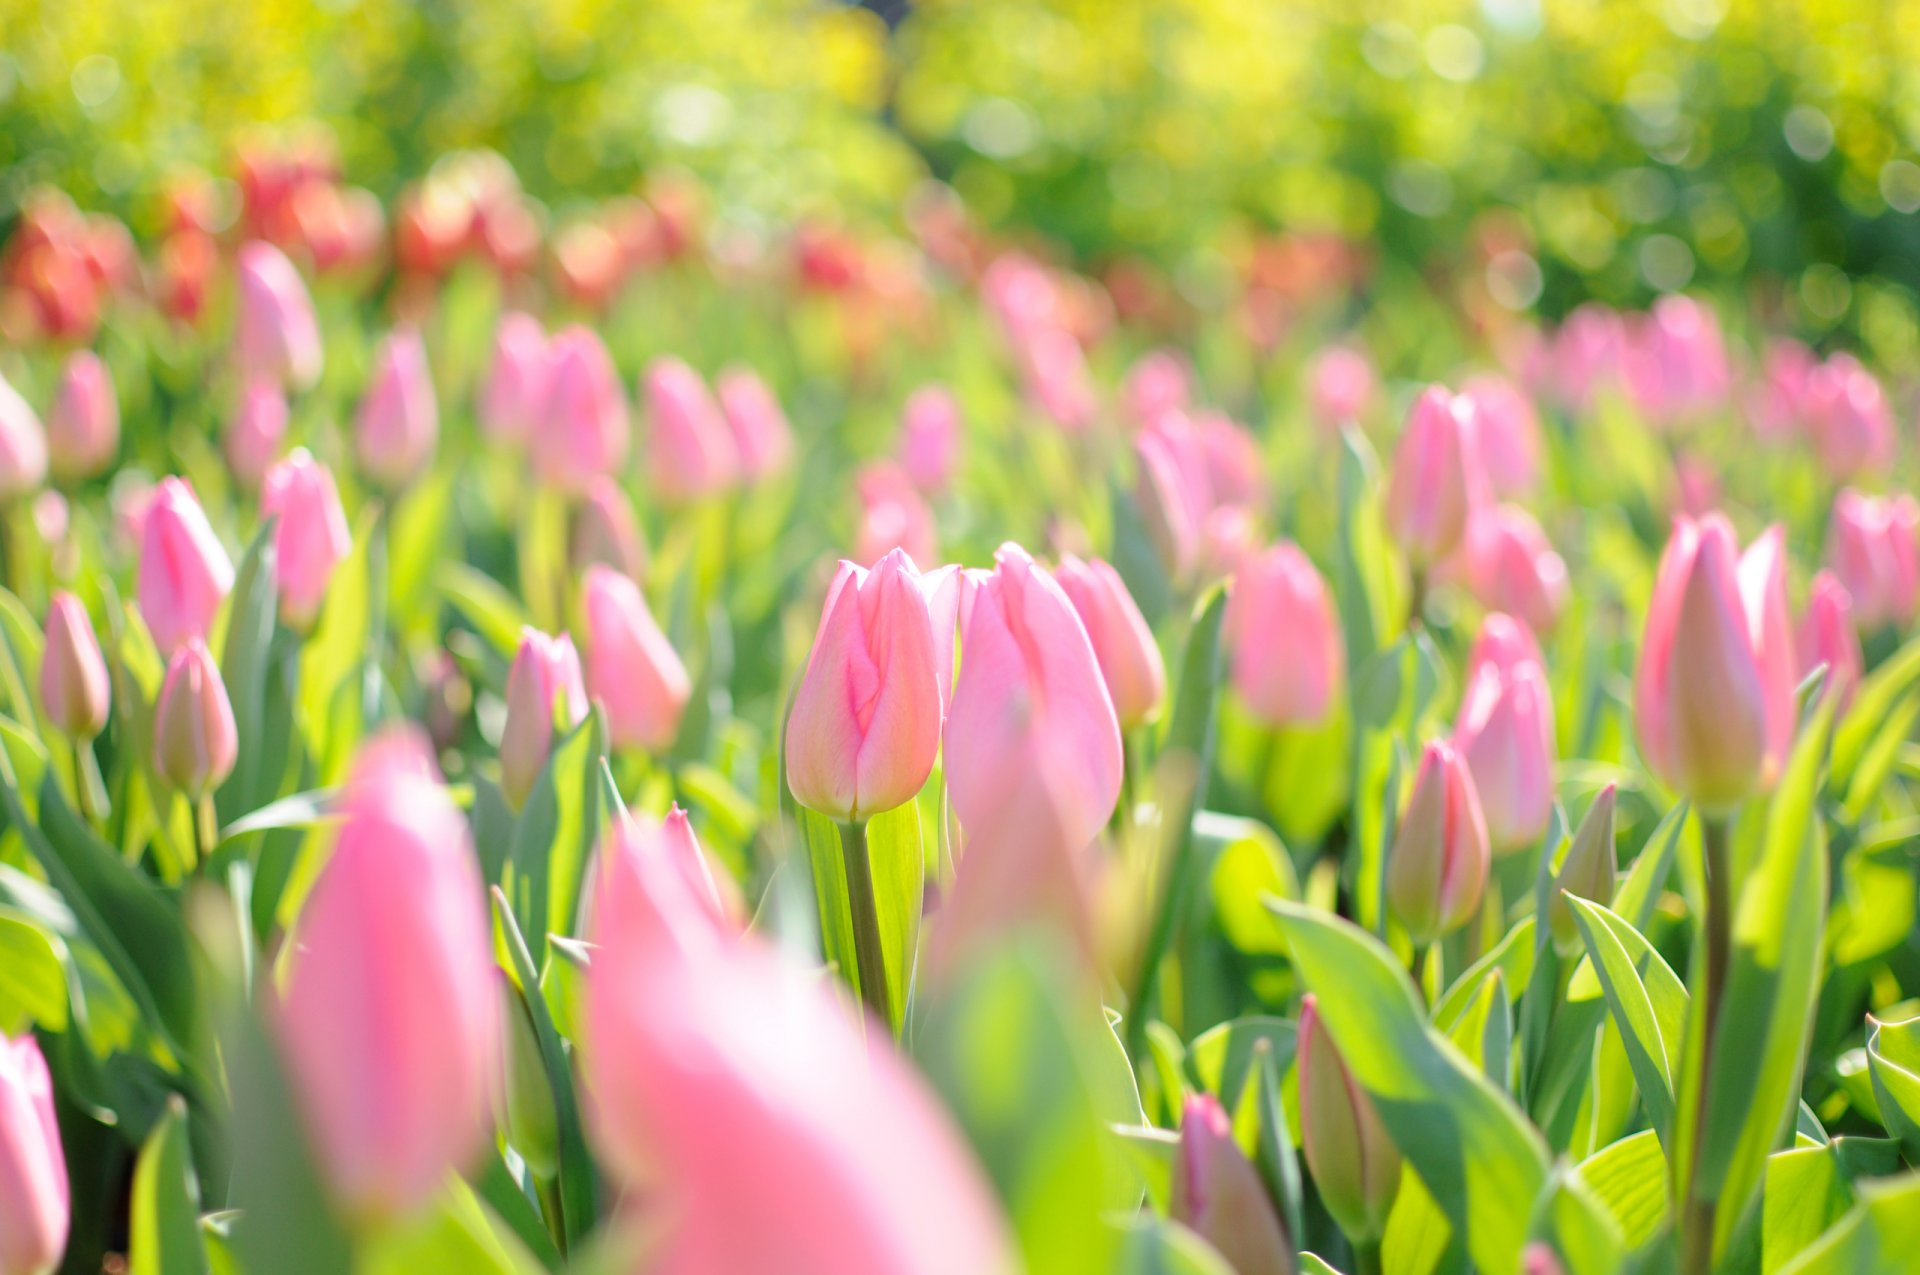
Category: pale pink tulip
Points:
column 1354, row 1163
column 1437, row 869
column 1438, row 479
column 606, row 531
column 545, row 690
column 761, row 435
column 1512, row 567
column 184, row 570
column 580, row 430
column 274, row 331
column 399, row 422
column 1172, row 491
column 33, row 1166
column 1283, row 638
column 195, row 743
column 513, row 396
column 1217, row 1192
column 74, row 687
column 1849, row 417
column 1871, row 548
column 893, row 515
column 83, row 426
column 1509, row 433
column 930, row 437
column 1057, row 379
column 1675, row 361
column 1129, row 658
column 23, row 445
column 1160, row 382
column 690, row 451
column 1340, row 387
column 1586, row 355
column 1777, row 405
column 312, row 537
column 632, row 669
column 1021, row 294
column 1827, row 636
column 1505, row 735
column 1234, row 467
column 258, row 430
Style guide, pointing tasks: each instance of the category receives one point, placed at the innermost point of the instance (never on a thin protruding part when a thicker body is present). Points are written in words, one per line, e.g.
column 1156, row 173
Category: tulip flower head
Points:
column 184, row 570
column 515, row 391
column 580, row 425
column 1847, row 413
column 195, row 743
column 399, row 421
column 1283, row 638
column 1675, row 361
column 311, row 538
column 1160, row 382
column 1590, row 870
column 893, row 515
column 274, row 330
column 1827, row 636
column 762, row 438
column 1129, row 657
column 75, row 690
column 1586, row 355
column 930, row 437
column 606, row 531
column 545, row 691
column 33, row 1167
column 1512, row 567
column 690, row 450
column 1871, row 549
column 1341, row 387
column 1438, row 867
column 1218, row 1194
column 1354, row 1163
column 632, row 669
column 83, row 426
column 23, row 445
column 258, row 430
column 1509, row 433
column 1438, row 478
column 1505, row 735
column 1714, row 693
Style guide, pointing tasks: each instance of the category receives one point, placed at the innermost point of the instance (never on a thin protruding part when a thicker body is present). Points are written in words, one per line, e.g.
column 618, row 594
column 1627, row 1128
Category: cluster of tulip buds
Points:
column 60, row 268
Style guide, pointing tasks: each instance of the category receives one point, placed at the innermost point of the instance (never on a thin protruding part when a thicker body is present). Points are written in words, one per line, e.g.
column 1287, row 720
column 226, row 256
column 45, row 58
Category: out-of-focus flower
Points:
column 1847, row 413
column 691, row 452
column 1871, row 549
column 312, row 537
column 544, row 690
column 1777, row 406
column 1512, row 567
column 632, row 669
column 1235, row 471
column 582, row 418
column 1827, row 636
column 23, row 445
column 274, row 330
column 1283, row 638
column 606, row 531
column 761, row 435
column 1675, row 361
column 515, row 391
column 74, row 688
column 259, row 428
column 1057, row 380
column 1129, row 657
column 34, row 1194
column 184, row 570
column 1340, row 387
column 83, row 426
column 1505, row 735
column 1586, row 355
column 399, row 422
column 893, row 515
column 1160, row 382
column 195, row 743
column 930, row 437
column 1172, row 491
column 1509, row 433
column 1438, row 478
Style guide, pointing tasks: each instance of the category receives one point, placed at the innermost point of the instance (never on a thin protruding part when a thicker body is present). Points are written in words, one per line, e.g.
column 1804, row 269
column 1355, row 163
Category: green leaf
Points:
column 1249, row 863
column 164, row 1215
column 1470, row 1145
column 1629, row 1178
column 493, row 612
column 897, row 862
column 1221, row 1058
column 1805, row 1194
column 1872, row 711
column 1156, row 1246
column 245, row 665
column 1647, row 1001
column 339, row 642
column 1879, row 1236
column 1893, row 1063
column 33, row 982
column 1484, row 1030
column 297, row 810
column 455, row 1234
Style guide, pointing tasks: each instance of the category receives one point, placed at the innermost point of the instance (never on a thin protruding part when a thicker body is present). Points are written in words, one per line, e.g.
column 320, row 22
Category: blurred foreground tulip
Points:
column 274, row 331
column 1218, row 1194
column 1438, row 867
column 1827, row 636
column 580, row 429
column 1505, row 735
column 545, row 690
column 184, row 570
column 1129, row 657
column 74, row 688
column 1355, row 1165
column 1283, row 638
column 632, row 669
column 195, row 743
column 399, row 422
column 83, row 425
column 1872, row 550
column 391, row 1019
column 1714, row 692
column 312, row 537
column 23, row 445
column 1438, row 480
column 690, row 451
column 33, row 1167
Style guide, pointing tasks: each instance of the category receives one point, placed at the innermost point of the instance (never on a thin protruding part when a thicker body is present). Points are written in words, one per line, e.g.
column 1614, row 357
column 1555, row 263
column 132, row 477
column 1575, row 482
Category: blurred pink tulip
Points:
column 580, row 431
column 930, row 437
column 1160, row 382
column 1505, row 735
column 865, row 723
column 893, row 515
column 544, row 690
column 1021, row 294
column 632, row 669
column 1234, row 467
column 312, row 537
column 1229, row 536
column 606, row 531
column 391, row 1019
column 515, row 391
column 1129, row 657
column 1511, row 566
column 1029, row 687
column 1057, row 380
column 1354, row 1164
column 1847, row 413
column 1714, row 693
column 75, row 690
column 690, row 451
column 83, row 426
column 195, row 743
column 23, row 445
column 399, row 422
column 1283, row 638
column 184, row 570
column 1437, row 869
column 1172, row 491
column 761, row 435
column 1340, row 387
column 1696, row 484
column 1827, row 636
column 1217, row 1192
column 1586, row 355
column 1871, row 548
column 1675, row 361
column 259, row 428
column 274, row 331
column 1509, row 433
column 1438, row 478
column 1778, row 404
column 716, row 890
column 754, row 1126
column 33, row 1166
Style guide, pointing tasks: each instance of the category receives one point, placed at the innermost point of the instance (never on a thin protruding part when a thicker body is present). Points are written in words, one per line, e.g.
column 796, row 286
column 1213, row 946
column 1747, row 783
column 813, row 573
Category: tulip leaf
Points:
column 897, row 863
column 1805, row 1193
column 1647, row 1001
column 455, row 1233
column 339, row 642
column 1871, row 712
column 33, row 981
column 296, row 810
column 1893, row 1063
column 1483, row 1032
column 245, row 665
column 416, row 543
column 1220, row 1058
column 164, row 1216
column 1878, row 1236
column 1629, row 1179
column 1156, row 1246
column 1418, row 1239
column 1249, row 863
column 1470, row 1145
column 492, row 611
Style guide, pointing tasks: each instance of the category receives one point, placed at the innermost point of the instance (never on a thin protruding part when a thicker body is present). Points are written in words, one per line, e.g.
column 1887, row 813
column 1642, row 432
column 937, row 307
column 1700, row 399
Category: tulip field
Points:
column 828, row 672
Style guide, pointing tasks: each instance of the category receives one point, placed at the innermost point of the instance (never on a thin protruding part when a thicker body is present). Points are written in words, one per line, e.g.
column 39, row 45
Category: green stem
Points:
column 205, row 828
column 1366, row 1257
column 553, row 1208
column 1417, row 601
column 82, row 789
column 869, row 958
column 1700, row 1220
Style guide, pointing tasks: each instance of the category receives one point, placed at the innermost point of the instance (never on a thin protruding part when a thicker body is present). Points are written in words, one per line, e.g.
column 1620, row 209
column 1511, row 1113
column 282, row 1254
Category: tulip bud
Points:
column 865, row 725
column 1234, row 467
column 1509, row 433
column 930, row 437
column 1353, row 1161
column 1505, row 735
column 515, row 390
column 1160, row 382
column 1777, row 406
column 274, row 331
column 184, row 571
column 690, row 451
column 1438, row 868
column 761, row 436
column 1714, row 693
column 605, row 530
column 194, row 740
column 1283, row 638
column 1057, row 379
column 1029, row 688
column 631, row 668
column 1341, row 387
column 1848, row 416
column 391, row 1021
column 544, row 688
column 1228, row 539
column 1172, row 502
column 527, row 1108
column 1827, row 636
column 74, row 688
column 1512, row 567
column 23, row 445
column 892, row 515
column 1675, row 361
column 1589, row 871
column 1129, row 657
column 1871, row 548
column 581, row 430
column 1217, row 1194
column 399, row 422
column 1438, row 480
column 83, row 428
column 1586, row 355
column 33, row 1167
column 311, row 538
column 259, row 428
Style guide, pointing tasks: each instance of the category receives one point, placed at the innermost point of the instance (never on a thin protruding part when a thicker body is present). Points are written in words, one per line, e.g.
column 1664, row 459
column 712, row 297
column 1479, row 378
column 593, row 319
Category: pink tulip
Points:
column 865, row 724
column 606, row 531
column 1129, row 658
column 1848, row 416
column 1229, row 536
column 1437, row 869
column 515, row 392
column 1505, row 735
column 754, row 1127
column 1714, row 693
column 893, row 515
column 1675, row 361
column 83, row 427
column 23, row 445
column 1172, row 491
column 1355, row 1165
column 1512, row 567
column 74, row 687
column 1586, row 355
column 761, row 435
column 274, row 331
column 930, row 437
column 1509, row 433
column 544, row 686
column 1234, row 467
column 1871, row 548
column 184, row 571
column 1283, row 638
column 1029, row 687
column 391, row 1021
column 1340, row 387
column 312, row 537
column 1438, row 478
column 1827, row 636
column 716, row 890
column 258, row 430
column 33, row 1167
column 1778, row 404
column 1696, row 484
column 1160, row 382
column 1218, row 1194
column 691, row 452
column 195, row 743
column 580, row 431
column 1057, row 380
column 399, row 422
column 1021, row 294
column 631, row 668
